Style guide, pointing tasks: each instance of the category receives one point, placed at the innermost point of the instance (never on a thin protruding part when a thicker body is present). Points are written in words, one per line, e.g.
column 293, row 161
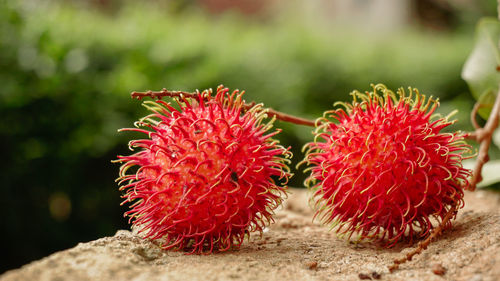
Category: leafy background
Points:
column 67, row 68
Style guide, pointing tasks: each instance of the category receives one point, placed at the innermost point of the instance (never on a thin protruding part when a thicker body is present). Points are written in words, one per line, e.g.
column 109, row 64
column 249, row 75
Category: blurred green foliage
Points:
column 66, row 73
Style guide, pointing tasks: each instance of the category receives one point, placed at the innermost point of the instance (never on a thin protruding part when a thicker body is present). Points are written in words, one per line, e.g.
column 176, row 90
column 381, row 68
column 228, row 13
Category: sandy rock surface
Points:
column 293, row 248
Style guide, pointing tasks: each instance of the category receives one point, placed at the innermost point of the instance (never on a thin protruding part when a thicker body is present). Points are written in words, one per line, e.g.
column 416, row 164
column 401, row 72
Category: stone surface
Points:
column 293, row 248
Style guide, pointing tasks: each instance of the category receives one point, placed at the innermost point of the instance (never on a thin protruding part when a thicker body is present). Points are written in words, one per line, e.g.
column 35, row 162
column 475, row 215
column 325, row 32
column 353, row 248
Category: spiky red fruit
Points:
column 205, row 172
column 382, row 168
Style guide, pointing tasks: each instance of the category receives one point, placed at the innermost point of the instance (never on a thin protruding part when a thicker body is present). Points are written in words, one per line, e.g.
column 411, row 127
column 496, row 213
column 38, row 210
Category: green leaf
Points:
column 489, row 172
column 480, row 70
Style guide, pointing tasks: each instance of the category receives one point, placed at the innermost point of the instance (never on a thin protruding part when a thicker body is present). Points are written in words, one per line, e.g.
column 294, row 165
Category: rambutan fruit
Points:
column 381, row 167
column 208, row 174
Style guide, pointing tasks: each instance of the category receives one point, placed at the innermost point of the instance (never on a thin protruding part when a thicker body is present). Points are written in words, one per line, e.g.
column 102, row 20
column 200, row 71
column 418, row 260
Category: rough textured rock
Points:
column 293, row 248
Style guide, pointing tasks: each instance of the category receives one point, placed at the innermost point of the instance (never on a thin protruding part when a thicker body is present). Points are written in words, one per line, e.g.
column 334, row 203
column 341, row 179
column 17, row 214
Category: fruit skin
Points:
column 382, row 167
column 206, row 174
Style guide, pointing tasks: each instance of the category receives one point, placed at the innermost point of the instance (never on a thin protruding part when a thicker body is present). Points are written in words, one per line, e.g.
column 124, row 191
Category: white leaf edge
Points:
column 496, row 137
column 490, row 172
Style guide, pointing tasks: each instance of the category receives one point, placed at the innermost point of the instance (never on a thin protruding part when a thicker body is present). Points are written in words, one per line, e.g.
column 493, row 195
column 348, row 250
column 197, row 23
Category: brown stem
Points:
column 290, row 118
column 271, row 112
column 473, row 114
column 483, row 136
column 423, row 244
column 163, row 93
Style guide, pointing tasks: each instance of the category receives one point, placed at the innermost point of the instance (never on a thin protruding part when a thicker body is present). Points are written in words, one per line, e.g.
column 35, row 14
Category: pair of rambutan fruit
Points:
column 210, row 172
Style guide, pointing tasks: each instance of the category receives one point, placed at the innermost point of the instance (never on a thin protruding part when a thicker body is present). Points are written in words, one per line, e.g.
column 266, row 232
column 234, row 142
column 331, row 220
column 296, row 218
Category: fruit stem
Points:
column 270, row 112
column 290, row 118
column 423, row 244
column 483, row 136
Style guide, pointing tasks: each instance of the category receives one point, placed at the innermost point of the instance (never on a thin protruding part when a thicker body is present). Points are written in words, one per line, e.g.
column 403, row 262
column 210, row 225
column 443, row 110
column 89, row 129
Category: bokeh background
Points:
column 67, row 69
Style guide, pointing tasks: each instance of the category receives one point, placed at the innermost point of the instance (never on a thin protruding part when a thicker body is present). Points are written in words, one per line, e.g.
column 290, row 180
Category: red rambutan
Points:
column 206, row 173
column 383, row 168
